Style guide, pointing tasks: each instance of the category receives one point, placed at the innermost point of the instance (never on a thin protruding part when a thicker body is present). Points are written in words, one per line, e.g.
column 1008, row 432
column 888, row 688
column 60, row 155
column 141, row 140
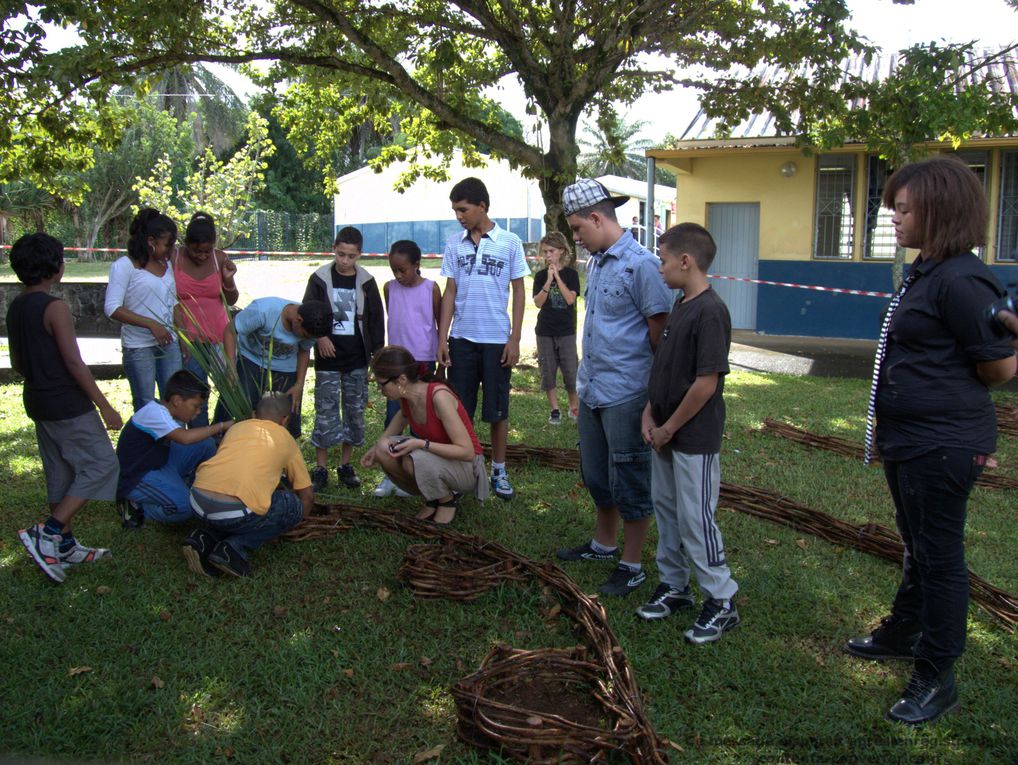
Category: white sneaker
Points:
column 385, row 489
column 401, row 494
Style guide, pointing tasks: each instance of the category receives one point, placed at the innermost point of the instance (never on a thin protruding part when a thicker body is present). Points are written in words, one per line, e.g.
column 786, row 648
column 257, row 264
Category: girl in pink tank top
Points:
column 205, row 277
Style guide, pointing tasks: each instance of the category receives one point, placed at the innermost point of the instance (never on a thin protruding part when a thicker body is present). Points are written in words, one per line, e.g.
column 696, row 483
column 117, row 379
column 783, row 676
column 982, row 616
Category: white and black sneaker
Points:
column 714, row 621
column 555, row 418
column 623, row 580
column 584, row 552
column 665, row 601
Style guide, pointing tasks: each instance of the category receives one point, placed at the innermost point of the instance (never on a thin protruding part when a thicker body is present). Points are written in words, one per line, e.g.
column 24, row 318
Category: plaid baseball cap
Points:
column 585, row 193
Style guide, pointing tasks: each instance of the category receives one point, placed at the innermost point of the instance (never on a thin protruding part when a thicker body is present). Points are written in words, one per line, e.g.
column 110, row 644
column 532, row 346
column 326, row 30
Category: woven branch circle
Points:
column 455, row 572
column 524, row 703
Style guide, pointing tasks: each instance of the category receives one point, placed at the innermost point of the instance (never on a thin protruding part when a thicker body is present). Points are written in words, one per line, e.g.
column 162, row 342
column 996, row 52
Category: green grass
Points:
column 317, row 684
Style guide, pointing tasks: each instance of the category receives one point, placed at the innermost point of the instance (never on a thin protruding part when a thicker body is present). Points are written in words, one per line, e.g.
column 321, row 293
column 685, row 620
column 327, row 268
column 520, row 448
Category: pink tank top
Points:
column 202, row 300
column 412, row 319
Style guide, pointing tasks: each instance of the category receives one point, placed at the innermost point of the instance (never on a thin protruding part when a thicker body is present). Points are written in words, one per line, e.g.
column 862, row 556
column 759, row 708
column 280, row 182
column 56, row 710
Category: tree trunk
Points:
column 559, row 170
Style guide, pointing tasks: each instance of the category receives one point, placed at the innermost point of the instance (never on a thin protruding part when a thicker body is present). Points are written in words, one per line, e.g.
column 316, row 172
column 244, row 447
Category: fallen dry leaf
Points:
column 772, row 541
column 383, row 594
column 429, row 754
column 73, row 671
column 348, row 672
column 675, row 746
column 157, row 682
column 554, row 611
column 165, row 615
column 102, row 590
column 801, row 543
column 278, row 611
column 425, row 661
column 335, row 653
column 399, row 666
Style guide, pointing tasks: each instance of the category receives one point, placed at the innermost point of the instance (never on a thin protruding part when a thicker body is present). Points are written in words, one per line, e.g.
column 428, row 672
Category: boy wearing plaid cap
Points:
column 626, row 307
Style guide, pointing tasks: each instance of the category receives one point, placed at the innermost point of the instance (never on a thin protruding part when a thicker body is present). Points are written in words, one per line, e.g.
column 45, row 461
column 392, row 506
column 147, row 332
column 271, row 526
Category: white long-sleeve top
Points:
column 143, row 293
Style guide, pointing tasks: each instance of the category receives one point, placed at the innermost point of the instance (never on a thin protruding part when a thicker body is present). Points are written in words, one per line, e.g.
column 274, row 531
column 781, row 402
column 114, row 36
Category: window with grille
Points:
column 880, row 243
column 835, row 206
column 1007, row 230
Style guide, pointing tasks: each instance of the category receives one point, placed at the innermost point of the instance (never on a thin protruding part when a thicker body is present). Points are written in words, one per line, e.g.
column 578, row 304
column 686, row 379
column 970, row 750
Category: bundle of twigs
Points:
column 561, row 459
column 851, row 449
column 1007, row 419
column 489, row 720
column 454, row 572
column 870, row 538
column 643, row 747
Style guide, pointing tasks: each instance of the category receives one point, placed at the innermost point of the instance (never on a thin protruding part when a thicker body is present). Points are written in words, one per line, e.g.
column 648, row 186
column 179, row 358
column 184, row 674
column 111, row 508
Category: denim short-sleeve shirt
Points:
column 623, row 290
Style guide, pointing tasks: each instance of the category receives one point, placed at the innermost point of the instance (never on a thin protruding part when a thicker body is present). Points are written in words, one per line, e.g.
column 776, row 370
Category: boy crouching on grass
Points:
column 236, row 494
column 158, row 454
column 61, row 397
column 684, row 421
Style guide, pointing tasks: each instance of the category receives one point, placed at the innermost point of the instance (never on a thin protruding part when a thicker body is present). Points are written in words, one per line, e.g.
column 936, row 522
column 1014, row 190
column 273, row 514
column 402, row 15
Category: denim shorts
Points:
column 614, row 460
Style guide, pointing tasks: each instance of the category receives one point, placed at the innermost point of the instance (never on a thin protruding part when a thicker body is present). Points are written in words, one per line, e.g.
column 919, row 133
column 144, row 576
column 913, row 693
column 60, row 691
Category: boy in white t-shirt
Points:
column 158, row 454
column 482, row 347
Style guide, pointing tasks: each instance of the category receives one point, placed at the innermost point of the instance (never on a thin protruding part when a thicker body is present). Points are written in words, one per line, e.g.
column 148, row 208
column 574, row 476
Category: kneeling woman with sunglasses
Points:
column 443, row 459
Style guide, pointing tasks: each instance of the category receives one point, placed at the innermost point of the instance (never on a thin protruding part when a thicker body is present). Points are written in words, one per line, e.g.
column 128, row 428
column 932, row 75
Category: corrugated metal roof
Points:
column 704, row 128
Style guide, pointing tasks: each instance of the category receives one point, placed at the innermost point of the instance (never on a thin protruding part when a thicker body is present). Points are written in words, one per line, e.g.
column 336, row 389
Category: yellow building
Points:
column 782, row 216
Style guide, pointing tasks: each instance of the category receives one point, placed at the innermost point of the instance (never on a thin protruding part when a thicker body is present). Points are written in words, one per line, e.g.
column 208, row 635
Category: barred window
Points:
column 1007, row 230
column 835, row 206
column 880, row 243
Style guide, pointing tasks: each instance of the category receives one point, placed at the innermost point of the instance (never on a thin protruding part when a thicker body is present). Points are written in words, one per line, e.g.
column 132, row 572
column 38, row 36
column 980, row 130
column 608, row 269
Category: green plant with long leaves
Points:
column 217, row 366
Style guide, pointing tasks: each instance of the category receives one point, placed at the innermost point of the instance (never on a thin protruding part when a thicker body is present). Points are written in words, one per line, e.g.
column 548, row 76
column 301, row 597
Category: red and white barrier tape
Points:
column 433, row 256
column 839, row 290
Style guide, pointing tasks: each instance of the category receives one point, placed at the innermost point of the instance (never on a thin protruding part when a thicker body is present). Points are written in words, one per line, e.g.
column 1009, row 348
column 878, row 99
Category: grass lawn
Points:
column 137, row 660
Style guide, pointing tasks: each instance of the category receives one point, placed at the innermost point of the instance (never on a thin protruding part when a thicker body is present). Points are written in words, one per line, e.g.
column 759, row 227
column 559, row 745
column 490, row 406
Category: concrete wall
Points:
column 86, row 302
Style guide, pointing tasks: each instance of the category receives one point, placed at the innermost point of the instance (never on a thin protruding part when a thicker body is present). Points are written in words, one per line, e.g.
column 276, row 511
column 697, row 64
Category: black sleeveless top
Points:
column 50, row 391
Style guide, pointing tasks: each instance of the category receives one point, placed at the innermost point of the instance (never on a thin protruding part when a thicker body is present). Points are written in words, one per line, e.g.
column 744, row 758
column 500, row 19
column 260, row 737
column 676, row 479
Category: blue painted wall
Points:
column 793, row 311
column 431, row 235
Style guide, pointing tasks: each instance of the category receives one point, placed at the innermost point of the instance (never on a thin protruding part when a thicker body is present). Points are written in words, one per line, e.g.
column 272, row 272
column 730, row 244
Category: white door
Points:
column 736, row 230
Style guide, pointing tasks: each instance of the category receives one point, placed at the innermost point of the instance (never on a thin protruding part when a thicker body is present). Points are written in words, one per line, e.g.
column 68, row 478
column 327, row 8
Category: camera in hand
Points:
column 395, row 442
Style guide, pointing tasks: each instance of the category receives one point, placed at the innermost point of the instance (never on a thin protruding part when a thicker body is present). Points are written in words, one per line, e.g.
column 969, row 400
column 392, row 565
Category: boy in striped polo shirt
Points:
column 482, row 345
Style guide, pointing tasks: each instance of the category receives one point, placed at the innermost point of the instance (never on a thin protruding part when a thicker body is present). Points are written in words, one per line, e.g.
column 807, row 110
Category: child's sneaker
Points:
column 197, row 546
column 228, row 560
column 665, row 601
column 714, row 621
column 386, row 488
column 347, row 476
column 555, row 418
column 81, row 554
column 319, row 478
column 130, row 513
column 501, row 486
column 584, row 552
column 622, row 581
column 45, row 551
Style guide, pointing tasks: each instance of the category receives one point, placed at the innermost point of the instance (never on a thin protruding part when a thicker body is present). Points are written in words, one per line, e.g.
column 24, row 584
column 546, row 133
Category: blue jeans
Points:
column 165, row 494
column 614, row 460
column 144, row 368
column 930, row 495
column 252, row 531
column 253, row 377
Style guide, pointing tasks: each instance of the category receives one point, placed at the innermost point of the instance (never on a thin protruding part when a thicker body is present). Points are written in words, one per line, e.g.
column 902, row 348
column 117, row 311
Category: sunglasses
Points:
column 383, row 383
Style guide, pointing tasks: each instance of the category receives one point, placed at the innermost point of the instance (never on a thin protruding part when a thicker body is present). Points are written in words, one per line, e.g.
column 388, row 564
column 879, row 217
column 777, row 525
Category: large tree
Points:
column 428, row 69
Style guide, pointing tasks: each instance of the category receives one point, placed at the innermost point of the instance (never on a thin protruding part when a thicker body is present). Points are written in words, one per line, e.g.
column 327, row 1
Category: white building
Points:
column 423, row 212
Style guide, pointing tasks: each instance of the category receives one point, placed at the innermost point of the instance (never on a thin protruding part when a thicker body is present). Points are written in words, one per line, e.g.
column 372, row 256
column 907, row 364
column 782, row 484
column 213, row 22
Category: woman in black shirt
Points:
column 935, row 421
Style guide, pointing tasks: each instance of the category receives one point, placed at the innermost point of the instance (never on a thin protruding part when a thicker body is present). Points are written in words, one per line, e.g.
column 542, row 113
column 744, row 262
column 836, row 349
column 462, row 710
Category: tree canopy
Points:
column 431, row 70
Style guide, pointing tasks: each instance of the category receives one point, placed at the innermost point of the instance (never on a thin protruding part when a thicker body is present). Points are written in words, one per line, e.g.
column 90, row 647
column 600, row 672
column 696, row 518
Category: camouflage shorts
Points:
column 340, row 398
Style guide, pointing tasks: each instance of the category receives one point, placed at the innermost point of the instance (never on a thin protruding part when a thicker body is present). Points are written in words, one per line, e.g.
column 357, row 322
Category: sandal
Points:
column 439, row 505
column 430, row 507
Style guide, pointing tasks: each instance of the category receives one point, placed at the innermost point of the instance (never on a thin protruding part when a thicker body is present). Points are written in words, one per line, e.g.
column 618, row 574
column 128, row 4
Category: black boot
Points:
column 895, row 638
column 930, row 693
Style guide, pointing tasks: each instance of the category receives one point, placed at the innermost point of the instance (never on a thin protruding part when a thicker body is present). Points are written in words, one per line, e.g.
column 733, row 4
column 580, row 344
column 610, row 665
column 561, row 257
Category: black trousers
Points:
column 930, row 496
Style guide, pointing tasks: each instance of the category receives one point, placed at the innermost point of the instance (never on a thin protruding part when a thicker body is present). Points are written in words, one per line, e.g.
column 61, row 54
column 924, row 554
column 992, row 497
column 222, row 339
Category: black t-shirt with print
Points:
column 556, row 319
column 346, row 335
column 695, row 341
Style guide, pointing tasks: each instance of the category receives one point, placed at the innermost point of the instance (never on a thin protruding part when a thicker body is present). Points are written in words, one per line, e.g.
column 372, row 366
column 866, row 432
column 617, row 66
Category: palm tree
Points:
column 611, row 148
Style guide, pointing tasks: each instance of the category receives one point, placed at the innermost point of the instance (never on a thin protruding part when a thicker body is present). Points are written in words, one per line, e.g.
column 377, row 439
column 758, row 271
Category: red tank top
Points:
column 205, row 316
column 433, row 429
